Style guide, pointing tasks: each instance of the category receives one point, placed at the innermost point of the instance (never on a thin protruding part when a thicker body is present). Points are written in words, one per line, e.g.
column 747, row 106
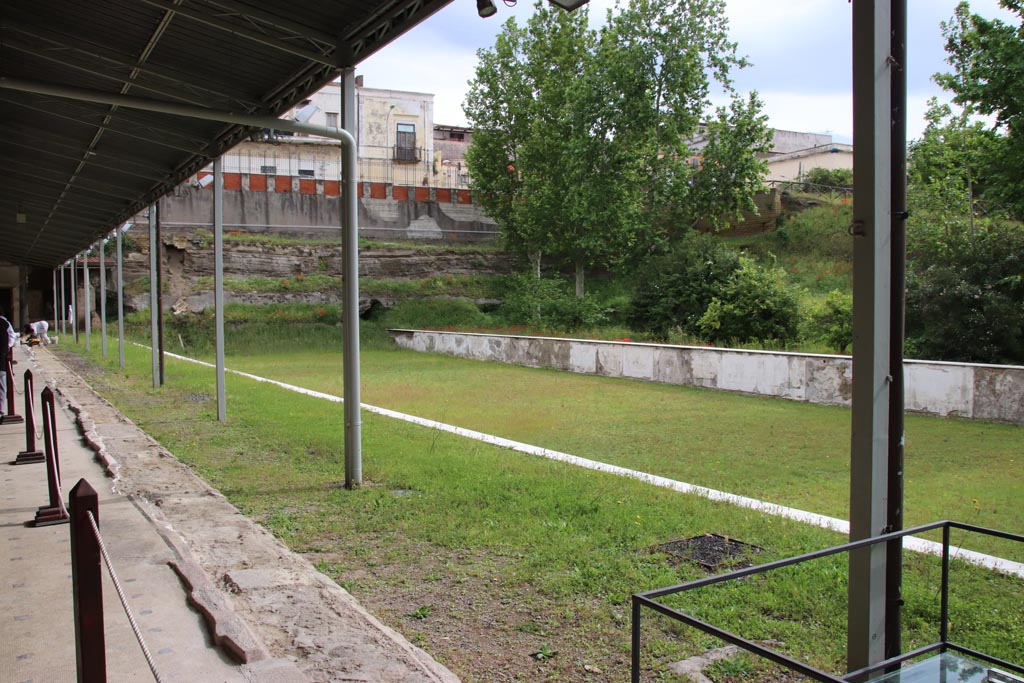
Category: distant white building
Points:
column 793, row 154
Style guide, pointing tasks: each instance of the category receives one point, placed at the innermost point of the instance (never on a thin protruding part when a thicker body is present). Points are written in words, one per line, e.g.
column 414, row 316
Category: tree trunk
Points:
column 535, row 262
column 579, row 279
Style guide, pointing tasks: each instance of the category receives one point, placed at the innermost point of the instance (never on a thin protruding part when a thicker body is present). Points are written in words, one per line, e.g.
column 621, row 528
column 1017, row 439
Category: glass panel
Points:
column 946, row 668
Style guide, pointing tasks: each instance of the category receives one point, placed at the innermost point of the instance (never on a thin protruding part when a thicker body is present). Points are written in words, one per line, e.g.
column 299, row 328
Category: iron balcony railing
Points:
column 650, row 600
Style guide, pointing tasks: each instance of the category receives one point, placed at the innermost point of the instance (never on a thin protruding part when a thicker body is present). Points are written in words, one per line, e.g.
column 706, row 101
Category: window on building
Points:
column 307, row 173
column 405, row 142
column 332, row 119
column 268, row 170
column 456, row 136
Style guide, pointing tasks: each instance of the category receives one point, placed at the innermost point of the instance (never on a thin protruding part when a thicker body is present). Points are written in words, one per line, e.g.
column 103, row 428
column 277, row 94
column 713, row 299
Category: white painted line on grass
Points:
column 832, row 523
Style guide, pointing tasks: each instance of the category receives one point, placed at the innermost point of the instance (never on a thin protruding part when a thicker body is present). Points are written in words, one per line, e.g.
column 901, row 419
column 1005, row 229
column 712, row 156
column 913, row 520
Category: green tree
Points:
column 580, row 149
column 965, row 292
column 947, row 166
column 987, row 56
column 829, row 177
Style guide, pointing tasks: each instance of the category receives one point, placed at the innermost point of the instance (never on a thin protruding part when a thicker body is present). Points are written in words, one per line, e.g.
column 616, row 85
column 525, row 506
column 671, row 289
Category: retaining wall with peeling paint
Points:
column 987, row 392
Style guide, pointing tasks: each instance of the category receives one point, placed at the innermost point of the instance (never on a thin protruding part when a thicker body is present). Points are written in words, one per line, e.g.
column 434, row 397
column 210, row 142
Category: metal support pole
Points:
column 74, row 297
column 871, row 284
column 120, row 299
column 159, row 292
column 350, row 294
column 897, row 306
column 86, row 303
column 63, row 305
column 218, row 282
column 87, row 585
column 350, row 216
column 103, row 299
column 153, row 300
column 56, row 310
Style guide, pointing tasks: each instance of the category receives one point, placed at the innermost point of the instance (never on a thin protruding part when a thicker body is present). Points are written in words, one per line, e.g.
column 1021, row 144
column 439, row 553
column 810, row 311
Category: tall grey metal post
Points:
column 63, row 305
column 154, row 300
column 218, row 282
column 74, row 297
column 871, row 305
column 120, row 300
column 103, row 300
column 350, row 294
column 56, row 311
column 349, row 220
column 86, row 304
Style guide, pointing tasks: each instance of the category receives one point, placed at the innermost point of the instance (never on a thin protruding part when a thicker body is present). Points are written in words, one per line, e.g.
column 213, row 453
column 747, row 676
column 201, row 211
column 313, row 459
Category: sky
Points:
column 800, row 52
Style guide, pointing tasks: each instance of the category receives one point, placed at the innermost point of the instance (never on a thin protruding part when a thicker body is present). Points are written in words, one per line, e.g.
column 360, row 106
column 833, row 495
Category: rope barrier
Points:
column 124, row 600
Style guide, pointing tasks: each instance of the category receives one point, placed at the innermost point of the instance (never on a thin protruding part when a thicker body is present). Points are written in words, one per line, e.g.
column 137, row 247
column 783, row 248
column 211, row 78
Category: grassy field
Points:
column 509, row 567
column 788, row 453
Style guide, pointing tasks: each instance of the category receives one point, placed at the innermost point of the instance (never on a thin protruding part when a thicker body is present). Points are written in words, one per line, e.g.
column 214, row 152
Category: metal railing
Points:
column 826, row 191
column 649, row 599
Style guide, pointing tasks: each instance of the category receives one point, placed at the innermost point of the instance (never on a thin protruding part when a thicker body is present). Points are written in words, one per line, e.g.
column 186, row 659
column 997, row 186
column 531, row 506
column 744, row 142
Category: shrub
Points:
column 435, row 313
column 965, row 294
column 548, row 304
column 755, row 305
column 674, row 289
column 834, row 321
column 829, row 177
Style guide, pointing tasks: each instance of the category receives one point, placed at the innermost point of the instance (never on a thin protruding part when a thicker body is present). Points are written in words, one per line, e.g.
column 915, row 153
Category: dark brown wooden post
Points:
column 87, row 585
column 31, row 453
column 54, row 513
column 11, row 417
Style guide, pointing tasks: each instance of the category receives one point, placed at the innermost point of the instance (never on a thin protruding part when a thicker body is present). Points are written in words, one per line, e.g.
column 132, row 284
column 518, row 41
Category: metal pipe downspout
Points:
column 897, row 306
column 120, row 300
column 350, row 292
column 350, row 223
column 103, row 300
column 153, row 302
column 159, row 294
column 63, row 305
column 218, row 281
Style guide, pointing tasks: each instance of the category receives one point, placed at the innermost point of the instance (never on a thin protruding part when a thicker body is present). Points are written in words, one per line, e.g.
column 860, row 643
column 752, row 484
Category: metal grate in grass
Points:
column 710, row 551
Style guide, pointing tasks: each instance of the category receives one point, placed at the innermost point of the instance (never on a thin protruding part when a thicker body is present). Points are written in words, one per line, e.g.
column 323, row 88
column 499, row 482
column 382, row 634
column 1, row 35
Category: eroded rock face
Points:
column 188, row 258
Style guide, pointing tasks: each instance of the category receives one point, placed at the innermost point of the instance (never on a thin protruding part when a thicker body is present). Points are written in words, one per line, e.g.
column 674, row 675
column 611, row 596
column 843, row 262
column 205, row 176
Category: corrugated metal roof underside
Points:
column 76, row 170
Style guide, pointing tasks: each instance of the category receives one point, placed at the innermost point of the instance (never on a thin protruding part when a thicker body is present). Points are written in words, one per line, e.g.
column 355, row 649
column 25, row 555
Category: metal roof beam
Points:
column 308, row 33
column 132, row 130
column 217, row 21
column 185, row 81
column 132, row 169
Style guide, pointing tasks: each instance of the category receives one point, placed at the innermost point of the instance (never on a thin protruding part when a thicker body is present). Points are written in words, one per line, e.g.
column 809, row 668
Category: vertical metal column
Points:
column 86, row 304
column 120, row 299
column 56, row 311
column 871, row 284
column 218, row 282
column 103, row 299
column 159, row 294
column 154, row 301
column 898, row 224
column 74, row 296
column 63, row 305
column 350, row 276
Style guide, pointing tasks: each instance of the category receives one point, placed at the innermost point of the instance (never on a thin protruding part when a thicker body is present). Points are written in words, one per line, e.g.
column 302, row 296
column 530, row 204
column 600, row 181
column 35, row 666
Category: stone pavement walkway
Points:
column 216, row 596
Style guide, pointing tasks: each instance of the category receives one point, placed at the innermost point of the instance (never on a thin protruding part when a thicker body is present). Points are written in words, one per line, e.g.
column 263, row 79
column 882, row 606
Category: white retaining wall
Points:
column 988, row 392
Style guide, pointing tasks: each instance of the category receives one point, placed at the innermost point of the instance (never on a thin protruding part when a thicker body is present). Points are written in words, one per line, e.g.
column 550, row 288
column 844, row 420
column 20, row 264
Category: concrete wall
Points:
column 988, row 392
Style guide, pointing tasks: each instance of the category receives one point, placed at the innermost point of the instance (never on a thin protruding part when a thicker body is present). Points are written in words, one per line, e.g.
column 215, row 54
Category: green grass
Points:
column 789, row 453
column 566, row 545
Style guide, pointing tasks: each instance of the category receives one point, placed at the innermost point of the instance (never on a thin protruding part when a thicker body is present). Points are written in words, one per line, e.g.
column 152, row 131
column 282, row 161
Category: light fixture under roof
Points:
column 20, row 216
column 486, row 8
column 569, row 5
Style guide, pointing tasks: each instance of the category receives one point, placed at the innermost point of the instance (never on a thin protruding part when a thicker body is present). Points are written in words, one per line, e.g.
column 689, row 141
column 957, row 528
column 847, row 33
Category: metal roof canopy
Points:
column 72, row 171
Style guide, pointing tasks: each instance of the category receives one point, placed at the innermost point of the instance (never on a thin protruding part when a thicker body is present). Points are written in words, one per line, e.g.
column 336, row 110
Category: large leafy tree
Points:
column 987, row 56
column 581, row 145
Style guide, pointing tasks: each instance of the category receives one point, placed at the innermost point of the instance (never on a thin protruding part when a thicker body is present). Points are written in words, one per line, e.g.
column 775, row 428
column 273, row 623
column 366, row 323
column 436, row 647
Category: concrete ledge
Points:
column 970, row 390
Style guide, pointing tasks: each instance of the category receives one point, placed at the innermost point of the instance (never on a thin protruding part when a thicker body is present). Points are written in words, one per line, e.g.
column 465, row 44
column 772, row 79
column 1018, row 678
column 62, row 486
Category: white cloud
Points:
column 800, row 51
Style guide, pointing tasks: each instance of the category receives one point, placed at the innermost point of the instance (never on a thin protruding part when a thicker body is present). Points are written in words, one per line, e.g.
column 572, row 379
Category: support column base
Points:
column 26, row 457
column 11, row 419
column 49, row 516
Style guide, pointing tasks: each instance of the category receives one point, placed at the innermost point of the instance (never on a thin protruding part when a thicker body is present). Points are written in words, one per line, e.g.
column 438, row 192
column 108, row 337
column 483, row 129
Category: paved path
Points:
column 216, row 597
